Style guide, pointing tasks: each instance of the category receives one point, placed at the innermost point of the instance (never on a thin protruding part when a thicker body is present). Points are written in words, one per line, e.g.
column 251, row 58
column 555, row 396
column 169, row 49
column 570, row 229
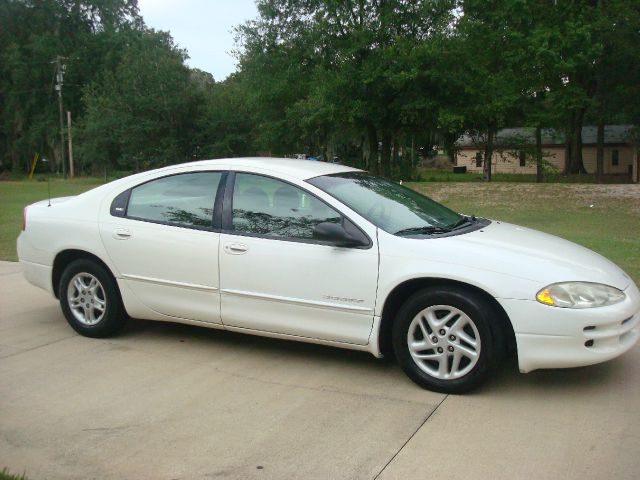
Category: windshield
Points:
column 388, row 205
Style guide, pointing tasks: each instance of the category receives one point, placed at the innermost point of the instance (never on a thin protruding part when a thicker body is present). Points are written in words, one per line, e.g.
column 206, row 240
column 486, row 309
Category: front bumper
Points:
column 552, row 337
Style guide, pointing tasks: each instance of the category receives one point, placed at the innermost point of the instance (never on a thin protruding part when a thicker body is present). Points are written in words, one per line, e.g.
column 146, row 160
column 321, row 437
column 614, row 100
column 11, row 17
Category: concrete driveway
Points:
column 164, row 401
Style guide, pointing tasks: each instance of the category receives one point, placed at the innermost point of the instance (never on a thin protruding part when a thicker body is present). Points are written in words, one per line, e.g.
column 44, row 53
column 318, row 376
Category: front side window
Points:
column 392, row 207
column 270, row 207
column 184, row 200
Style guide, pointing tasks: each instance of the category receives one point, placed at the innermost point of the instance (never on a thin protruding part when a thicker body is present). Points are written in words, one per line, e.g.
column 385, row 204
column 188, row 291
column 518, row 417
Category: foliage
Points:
column 140, row 114
column 374, row 83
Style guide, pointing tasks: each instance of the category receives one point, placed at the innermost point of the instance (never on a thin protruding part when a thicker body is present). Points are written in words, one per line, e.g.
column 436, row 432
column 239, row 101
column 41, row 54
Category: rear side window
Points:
column 270, row 207
column 184, row 200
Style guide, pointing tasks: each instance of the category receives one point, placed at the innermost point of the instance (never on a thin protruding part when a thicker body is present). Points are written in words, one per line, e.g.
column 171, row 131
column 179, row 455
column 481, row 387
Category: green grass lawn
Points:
column 5, row 475
column 605, row 218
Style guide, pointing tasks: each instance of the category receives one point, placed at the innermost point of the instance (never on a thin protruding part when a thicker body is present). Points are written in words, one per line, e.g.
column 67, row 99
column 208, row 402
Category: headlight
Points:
column 579, row 295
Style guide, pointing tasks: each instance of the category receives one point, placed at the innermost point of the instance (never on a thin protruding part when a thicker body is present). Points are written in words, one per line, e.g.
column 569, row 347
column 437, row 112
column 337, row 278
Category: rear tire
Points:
column 90, row 299
column 443, row 339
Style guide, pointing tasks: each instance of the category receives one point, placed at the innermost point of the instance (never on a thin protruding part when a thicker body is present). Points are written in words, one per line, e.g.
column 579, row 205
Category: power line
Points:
column 41, row 89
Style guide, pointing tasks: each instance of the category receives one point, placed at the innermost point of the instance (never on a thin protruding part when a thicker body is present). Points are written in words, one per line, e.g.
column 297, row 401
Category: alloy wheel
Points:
column 444, row 342
column 86, row 299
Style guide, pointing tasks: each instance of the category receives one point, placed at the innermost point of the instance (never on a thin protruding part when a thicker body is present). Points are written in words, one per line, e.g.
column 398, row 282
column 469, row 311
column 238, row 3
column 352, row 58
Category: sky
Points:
column 202, row 27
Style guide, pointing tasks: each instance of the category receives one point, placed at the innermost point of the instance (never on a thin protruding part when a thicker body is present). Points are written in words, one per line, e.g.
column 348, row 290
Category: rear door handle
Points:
column 122, row 233
column 236, row 248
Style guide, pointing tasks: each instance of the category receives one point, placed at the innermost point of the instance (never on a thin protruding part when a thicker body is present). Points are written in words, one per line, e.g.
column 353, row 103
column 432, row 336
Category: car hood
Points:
column 534, row 255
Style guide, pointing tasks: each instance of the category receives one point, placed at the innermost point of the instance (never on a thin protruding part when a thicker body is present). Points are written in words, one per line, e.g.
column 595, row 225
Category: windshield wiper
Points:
column 424, row 229
column 463, row 221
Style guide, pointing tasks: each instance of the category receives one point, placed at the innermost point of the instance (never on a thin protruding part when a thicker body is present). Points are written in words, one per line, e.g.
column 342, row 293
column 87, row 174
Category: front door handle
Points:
column 236, row 248
column 122, row 234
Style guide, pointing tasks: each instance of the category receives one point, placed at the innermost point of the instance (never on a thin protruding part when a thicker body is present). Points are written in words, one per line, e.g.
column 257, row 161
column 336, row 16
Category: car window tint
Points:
column 184, row 200
column 270, row 207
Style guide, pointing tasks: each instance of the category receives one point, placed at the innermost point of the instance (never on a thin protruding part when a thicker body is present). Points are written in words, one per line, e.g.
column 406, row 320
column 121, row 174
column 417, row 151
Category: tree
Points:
column 146, row 105
column 617, row 72
column 484, row 69
column 587, row 46
column 32, row 34
column 332, row 67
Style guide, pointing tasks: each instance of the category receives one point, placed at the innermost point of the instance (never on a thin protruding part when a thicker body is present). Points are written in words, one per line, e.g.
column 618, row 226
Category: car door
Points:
column 161, row 238
column 274, row 277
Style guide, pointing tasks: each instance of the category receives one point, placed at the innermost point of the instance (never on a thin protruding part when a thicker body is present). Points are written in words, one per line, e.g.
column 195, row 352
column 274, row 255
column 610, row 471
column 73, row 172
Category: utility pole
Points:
column 71, row 169
column 60, row 68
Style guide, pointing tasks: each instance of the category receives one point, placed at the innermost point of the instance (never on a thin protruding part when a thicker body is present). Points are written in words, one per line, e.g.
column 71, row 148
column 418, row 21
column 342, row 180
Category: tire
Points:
column 443, row 339
column 90, row 299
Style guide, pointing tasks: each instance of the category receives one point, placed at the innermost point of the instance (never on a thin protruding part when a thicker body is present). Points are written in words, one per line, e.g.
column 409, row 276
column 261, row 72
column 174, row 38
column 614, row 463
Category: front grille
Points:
column 613, row 334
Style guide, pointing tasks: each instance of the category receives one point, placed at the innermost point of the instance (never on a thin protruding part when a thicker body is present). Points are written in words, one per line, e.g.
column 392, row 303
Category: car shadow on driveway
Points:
column 507, row 380
column 193, row 334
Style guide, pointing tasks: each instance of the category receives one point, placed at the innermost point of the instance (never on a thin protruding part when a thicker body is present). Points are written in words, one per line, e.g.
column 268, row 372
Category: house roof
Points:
column 613, row 134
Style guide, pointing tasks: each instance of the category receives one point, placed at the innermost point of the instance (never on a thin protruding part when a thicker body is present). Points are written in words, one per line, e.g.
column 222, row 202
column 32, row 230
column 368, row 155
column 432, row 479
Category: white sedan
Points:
column 327, row 254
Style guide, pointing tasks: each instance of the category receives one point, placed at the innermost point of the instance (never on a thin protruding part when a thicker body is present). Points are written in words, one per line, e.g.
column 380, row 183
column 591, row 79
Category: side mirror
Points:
column 335, row 234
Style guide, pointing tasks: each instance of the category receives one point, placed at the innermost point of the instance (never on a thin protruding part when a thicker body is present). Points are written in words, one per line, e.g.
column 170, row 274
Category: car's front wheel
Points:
column 443, row 339
column 90, row 300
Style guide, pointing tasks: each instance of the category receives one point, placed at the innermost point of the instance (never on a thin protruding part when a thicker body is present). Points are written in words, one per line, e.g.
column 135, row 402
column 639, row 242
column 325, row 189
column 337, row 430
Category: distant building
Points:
column 513, row 147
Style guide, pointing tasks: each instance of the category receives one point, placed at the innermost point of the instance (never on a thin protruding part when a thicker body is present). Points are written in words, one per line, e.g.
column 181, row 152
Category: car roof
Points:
column 301, row 169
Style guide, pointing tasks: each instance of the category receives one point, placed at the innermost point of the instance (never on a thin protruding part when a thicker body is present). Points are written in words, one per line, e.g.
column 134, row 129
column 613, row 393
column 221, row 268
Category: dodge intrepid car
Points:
column 328, row 254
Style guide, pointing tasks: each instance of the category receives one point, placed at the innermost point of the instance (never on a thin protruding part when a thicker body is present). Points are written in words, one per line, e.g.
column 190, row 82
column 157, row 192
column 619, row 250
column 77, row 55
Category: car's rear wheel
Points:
column 90, row 299
column 443, row 339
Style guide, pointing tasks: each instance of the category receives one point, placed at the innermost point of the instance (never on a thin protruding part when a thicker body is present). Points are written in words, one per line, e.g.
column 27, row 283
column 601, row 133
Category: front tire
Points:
column 443, row 339
column 90, row 299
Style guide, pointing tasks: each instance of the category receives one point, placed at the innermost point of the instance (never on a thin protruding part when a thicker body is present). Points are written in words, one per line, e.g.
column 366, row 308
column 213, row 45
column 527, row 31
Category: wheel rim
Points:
column 444, row 342
column 86, row 298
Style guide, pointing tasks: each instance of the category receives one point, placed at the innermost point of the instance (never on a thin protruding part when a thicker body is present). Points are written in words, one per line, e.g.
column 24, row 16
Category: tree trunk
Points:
column 413, row 152
column 385, row 156
column 54, row 157
column 488, row 154
column 574, row 140
column 396, row 163
column 539, row 174
column 363, row 161
column 372, row 161
column 17, row 165
column 600, row 152
column 449, row 141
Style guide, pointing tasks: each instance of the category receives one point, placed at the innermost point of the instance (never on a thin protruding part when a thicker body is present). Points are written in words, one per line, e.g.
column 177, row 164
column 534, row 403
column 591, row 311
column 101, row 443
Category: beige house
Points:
column 513, row 148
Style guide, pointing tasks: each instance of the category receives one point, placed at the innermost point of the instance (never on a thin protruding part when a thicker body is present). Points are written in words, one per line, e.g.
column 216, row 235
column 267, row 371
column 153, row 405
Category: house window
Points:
column 614, row 158
column 523, row 158
column 478, row 159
